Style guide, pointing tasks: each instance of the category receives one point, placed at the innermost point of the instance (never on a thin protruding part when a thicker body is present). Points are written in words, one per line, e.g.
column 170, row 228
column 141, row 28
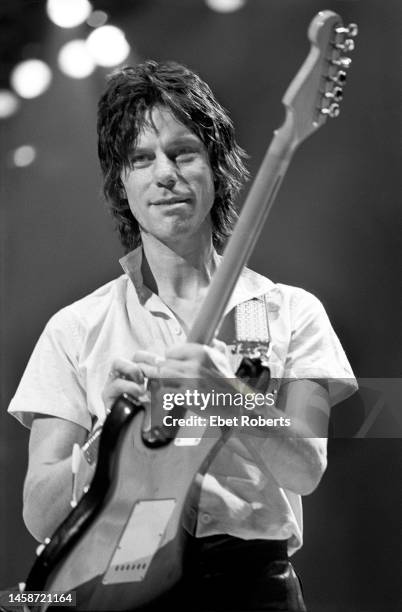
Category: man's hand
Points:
column 190, row 360
column 196, row 361
column 129, row 377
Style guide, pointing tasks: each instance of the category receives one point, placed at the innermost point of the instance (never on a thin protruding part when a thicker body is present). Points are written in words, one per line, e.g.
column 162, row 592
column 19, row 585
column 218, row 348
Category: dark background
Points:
column 335, row 230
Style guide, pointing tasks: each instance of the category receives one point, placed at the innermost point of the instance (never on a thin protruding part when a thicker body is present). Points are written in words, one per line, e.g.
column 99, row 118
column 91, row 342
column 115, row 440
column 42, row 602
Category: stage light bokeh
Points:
column 75, row 60
column 24, row 156
column 225, row 6
column 31, row 78
column 97, row 19
column 68, row 13
column 9, row 103
column 108, row 46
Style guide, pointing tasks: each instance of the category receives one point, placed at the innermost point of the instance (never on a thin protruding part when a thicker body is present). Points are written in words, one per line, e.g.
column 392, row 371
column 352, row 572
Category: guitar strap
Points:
column 253, row 337
column 253, row 342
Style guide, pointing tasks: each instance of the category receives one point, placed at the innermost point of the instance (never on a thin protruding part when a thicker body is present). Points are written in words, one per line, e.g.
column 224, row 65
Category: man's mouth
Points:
column 172, row 200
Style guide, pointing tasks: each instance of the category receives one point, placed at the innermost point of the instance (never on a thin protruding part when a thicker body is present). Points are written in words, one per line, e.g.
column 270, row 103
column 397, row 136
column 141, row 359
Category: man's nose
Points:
column 165, row 172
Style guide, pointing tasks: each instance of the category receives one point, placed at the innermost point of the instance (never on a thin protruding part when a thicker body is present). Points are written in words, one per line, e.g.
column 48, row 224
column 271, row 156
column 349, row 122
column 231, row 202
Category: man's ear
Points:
column 121, row 191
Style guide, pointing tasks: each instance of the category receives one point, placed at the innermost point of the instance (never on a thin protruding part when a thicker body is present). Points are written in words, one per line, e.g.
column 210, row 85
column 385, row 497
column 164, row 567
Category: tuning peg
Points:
column 336, row 94
column 347, row 45
column 339, row 77
column 342, row 62
column 353, row 30
column 332, row 111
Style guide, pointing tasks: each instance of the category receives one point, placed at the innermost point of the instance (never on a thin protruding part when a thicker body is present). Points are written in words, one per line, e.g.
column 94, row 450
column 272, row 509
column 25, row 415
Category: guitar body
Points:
column 122, row 546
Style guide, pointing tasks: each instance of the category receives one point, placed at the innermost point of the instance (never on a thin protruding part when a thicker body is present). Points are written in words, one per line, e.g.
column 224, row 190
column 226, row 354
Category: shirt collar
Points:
column 250, row 284
column 131, row 264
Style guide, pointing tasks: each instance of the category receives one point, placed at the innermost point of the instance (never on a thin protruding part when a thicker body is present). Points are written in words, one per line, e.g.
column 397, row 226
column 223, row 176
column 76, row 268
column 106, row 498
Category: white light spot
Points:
column 108, row 46
column 68, row 13
column 75, row 60
column 9, row 103
column 31, row 78
column 225, row 6
column 97, row 19
column 24, row 156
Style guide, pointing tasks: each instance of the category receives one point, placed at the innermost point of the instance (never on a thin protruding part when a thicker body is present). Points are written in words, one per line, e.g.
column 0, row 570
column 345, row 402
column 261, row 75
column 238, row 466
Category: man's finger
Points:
column 150, row 371
column 118, row 387
column 146, row 357
column 124, row 368
column 183, row 352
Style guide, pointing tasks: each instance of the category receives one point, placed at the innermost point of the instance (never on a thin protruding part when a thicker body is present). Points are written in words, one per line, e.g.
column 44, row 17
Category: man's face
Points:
column 169, row 187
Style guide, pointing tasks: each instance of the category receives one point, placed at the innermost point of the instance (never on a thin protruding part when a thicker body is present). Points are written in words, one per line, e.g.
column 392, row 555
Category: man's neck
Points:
column 179, row 271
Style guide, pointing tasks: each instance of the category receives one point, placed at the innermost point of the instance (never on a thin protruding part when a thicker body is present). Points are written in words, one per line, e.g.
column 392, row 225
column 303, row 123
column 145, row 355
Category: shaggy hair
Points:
column 130, row 93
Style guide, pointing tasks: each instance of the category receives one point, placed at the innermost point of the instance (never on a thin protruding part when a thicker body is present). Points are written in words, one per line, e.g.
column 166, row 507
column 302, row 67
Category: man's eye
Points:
column 140, row 158
column 185, row 154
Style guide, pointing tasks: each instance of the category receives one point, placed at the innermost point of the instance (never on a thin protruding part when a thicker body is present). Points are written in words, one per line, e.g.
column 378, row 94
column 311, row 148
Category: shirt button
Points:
column 205, row 518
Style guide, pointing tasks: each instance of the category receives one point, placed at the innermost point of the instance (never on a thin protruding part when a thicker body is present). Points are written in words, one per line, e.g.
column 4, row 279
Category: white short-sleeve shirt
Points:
column 72, row 358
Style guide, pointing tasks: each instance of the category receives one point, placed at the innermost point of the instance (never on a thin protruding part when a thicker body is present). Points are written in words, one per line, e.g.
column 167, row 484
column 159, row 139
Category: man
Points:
column 171, row 171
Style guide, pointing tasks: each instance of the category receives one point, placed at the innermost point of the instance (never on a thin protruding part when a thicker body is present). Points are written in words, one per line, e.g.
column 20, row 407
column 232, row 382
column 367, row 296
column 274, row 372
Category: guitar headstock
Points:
column 317, row 89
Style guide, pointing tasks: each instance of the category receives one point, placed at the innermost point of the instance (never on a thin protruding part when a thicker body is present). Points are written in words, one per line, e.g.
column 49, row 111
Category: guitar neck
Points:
column 312, row 97
column 245, row 235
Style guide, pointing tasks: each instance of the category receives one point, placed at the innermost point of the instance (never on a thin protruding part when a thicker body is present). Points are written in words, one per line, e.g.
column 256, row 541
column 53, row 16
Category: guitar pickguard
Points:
column 140, row 540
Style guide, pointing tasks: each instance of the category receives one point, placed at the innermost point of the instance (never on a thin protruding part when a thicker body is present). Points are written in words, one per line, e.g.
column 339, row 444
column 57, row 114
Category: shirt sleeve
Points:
column 315, row 350
column 51, row 383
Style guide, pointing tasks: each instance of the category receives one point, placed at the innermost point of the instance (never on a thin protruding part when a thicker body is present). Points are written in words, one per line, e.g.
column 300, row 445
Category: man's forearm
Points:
column 47, row 499
column 297, row 464
column 292, row 443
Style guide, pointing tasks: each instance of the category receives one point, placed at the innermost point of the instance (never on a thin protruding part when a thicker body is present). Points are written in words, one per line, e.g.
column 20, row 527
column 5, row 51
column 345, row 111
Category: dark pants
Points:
column 229, row 574
column 226, row 574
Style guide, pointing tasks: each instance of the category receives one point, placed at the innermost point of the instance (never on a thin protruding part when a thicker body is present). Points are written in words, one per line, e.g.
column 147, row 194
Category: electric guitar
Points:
column 122, row 545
